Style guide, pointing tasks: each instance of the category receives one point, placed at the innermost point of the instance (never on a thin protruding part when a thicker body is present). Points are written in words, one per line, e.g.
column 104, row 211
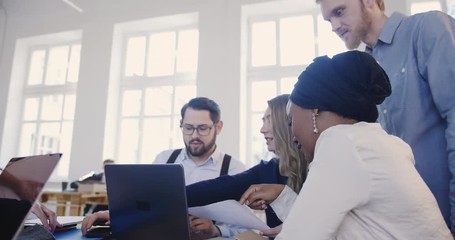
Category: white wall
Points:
column 219, row 73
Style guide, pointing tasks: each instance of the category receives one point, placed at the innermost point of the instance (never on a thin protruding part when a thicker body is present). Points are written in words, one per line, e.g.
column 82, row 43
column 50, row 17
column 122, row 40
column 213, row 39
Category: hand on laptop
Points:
column 89, row 221
column 46, row 216
column 202, row 228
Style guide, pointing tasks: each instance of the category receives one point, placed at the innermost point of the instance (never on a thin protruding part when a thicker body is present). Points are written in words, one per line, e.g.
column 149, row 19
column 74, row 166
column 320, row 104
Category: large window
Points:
column 159, row 77
column 451, row 7
column 49, row 102
column 280, row 46
column 419, row 6
column 424, row 6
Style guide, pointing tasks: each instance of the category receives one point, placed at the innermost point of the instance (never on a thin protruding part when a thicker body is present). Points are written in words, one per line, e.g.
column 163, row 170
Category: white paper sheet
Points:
column 230, row 212
column 64, row 220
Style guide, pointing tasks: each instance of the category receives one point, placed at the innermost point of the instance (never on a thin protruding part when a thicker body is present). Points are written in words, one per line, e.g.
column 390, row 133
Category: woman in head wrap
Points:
column 362, row 183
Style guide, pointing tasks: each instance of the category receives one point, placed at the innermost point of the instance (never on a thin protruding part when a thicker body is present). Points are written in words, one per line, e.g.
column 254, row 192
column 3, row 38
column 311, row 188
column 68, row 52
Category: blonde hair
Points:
column 379, row 2
column 292, row 163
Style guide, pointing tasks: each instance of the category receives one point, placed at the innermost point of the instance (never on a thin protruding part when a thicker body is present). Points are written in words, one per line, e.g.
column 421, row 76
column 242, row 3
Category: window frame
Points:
column 40, row 91
column 142, row 83
column 271, row 73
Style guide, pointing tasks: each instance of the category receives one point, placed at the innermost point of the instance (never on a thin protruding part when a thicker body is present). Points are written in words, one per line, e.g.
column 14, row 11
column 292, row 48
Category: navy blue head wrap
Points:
column 350, row 84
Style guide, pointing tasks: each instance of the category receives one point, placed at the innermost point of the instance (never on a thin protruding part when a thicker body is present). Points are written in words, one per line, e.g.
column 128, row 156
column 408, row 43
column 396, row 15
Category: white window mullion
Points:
column 146, row 60
column 38, row 127
column 173, row 115
column 278, row 42
column 118, row 129
column 70, row 47
column 176, row 44
column 141, row 133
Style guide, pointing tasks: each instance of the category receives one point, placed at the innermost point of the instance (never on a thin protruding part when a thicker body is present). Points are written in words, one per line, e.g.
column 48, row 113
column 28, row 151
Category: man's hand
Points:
column 88, row 221
column 202, row 228
column 48, row 218
column 258, row 196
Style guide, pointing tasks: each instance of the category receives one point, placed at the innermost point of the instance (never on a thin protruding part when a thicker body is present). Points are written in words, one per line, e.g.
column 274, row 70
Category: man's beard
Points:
column 359, row 33
column 203, row 149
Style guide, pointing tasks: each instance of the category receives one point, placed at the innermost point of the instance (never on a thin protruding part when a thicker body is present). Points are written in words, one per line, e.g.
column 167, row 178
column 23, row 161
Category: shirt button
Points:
column 403, row 70
column 384, row 111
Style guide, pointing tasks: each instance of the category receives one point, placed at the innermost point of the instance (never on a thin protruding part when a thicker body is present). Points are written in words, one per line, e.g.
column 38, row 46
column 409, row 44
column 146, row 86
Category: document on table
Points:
column 64, row 220
column 231, row 212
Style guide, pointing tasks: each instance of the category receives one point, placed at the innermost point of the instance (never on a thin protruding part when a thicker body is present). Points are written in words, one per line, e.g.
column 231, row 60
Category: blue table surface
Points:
column 74, row 233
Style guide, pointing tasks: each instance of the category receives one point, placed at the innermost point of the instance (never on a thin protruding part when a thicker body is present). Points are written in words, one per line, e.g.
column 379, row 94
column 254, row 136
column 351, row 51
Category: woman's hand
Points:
column 48, row 217
column 259, row 195
column 272, row 232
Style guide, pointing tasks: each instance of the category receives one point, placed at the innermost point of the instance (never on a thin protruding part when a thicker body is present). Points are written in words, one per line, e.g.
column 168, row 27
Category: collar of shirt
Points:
column 389, row 29
column 216, row 156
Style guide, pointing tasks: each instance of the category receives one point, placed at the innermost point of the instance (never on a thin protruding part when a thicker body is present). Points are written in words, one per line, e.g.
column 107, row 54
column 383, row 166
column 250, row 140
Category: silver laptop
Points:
column 147, row 201
column 21, row 183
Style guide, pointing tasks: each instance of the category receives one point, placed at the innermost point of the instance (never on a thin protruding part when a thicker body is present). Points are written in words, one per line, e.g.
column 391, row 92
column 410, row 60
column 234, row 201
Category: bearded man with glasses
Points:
column 202, row 159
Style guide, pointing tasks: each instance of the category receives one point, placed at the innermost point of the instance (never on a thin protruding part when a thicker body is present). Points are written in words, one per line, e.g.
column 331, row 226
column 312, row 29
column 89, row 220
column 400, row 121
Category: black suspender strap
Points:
column 174, row 155
column 225, row 166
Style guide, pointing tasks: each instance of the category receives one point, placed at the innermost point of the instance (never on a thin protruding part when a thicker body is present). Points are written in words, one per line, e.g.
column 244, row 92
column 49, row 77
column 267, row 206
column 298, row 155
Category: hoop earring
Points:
column 315, row 129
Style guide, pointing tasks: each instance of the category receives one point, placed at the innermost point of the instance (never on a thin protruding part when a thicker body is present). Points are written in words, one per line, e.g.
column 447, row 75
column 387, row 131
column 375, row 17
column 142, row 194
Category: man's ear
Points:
column 218, row 127
column 369, row 4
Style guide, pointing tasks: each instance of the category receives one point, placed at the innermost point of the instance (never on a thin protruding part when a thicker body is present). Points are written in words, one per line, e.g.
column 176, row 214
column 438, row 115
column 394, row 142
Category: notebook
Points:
column 21, row 183
column 147, row 201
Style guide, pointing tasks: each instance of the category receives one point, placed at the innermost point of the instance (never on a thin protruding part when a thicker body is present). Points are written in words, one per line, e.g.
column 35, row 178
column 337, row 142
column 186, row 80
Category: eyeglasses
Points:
column 202, row 130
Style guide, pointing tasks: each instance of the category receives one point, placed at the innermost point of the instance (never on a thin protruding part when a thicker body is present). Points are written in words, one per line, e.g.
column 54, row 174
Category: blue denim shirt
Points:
column 418, row 54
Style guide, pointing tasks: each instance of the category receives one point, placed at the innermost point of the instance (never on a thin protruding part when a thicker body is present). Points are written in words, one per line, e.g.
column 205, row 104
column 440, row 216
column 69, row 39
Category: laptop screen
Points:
column 147, row 201
column 21, row 183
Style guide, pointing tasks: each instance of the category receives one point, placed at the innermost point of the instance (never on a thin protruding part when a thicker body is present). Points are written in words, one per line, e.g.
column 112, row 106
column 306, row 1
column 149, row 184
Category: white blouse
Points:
column 362, row 184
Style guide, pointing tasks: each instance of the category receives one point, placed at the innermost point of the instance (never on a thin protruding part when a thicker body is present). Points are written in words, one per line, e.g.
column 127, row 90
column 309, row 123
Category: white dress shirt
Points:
column 362, row 184
column 209, row 169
